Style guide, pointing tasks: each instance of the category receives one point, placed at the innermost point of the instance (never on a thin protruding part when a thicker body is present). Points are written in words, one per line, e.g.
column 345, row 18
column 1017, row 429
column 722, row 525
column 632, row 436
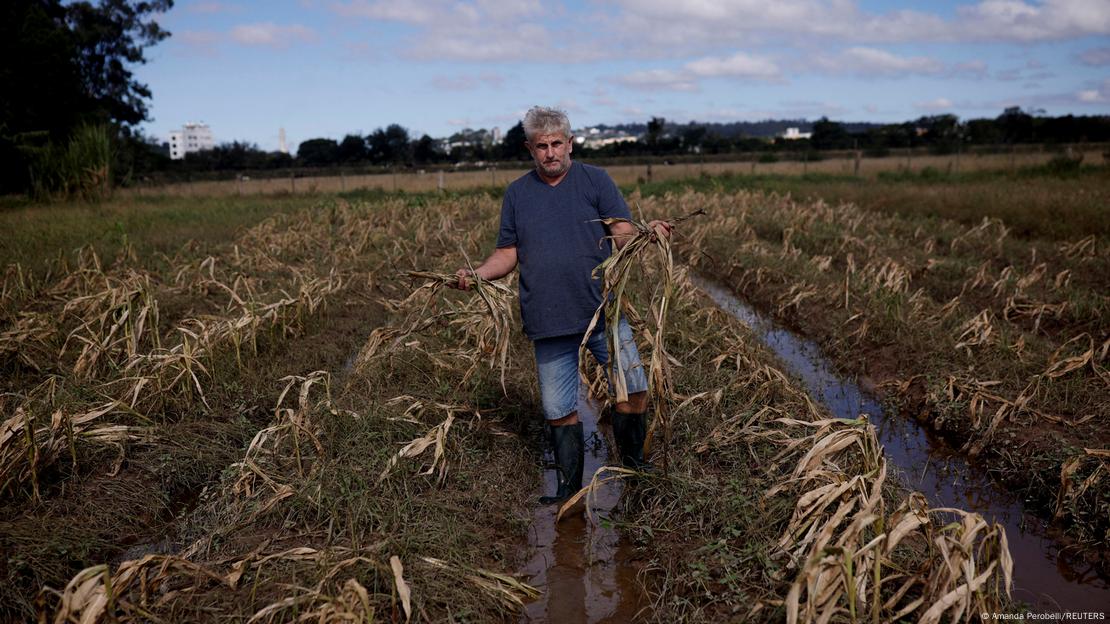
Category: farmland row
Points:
column 136, row 387
column 401, row 487
column 997, row 341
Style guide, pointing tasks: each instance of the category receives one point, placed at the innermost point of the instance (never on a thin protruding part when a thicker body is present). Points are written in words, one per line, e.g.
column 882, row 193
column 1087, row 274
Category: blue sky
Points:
column 325, row 68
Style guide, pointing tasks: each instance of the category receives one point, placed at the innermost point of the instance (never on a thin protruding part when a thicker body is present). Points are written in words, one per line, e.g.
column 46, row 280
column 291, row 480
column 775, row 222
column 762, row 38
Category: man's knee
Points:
column 636, row 404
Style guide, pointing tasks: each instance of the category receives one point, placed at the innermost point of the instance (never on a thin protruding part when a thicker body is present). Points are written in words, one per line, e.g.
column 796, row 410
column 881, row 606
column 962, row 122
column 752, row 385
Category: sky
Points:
column 327, row 68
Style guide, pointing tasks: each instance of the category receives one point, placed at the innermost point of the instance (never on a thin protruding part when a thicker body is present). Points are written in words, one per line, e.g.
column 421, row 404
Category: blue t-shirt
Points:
column 559, row 242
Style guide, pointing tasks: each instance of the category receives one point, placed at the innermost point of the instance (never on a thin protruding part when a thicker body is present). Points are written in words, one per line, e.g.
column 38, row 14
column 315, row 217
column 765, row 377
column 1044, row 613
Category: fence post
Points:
column 440, row 182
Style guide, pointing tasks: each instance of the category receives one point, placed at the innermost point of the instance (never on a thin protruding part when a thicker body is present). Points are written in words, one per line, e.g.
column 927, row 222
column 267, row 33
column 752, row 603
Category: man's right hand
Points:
column 465, row 279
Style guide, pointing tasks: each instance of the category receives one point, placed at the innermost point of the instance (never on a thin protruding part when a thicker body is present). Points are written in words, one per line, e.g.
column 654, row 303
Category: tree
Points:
column 426, row 151
column 318, row 152
column 352, row 149
column 1015, row 125
column 655, row 131
column 390, row 145
column 829, row 135
column 110, row 37
column 65, row 65
column 943, row 132
column 693, row 137
column 512, row 147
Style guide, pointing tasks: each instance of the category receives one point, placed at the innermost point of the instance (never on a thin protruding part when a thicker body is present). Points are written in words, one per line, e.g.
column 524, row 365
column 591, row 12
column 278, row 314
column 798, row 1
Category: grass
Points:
column 150, row 225
column 1034, row 202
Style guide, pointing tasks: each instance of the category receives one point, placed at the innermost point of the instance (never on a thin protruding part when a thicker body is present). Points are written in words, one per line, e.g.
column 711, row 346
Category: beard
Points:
column 555, row 168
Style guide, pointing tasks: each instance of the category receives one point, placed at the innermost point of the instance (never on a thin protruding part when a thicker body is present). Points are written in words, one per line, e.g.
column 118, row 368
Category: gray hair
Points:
column 542, row 120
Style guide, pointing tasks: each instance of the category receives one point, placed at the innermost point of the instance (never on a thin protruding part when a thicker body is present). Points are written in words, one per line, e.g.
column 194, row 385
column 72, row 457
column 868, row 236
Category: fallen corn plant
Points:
column 615, row 272
column 435, row 437
column 485, row 320
column 851, row 559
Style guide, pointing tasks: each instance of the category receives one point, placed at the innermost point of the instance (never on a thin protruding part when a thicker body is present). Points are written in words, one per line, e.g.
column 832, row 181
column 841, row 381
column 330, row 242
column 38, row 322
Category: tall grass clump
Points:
column 80, row 169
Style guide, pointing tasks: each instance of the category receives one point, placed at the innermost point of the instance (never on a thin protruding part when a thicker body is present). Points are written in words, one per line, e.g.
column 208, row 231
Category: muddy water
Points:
column 1045, row 576
column 585, row 570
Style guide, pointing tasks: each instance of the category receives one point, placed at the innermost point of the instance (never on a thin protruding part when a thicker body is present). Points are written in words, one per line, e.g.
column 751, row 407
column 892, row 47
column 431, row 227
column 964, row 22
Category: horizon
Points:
column 325, row 70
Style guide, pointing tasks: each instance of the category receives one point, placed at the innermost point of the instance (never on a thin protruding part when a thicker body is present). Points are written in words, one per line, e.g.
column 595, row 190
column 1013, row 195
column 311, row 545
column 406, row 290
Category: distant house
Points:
column 793, row 134
column 192, row 137
column 596, row 137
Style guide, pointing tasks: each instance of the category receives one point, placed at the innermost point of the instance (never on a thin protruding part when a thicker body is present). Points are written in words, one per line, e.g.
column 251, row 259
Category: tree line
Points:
column 393, row 146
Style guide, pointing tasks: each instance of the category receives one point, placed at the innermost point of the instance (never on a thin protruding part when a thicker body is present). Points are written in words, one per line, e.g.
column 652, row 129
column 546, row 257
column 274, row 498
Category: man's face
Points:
column 551, row 152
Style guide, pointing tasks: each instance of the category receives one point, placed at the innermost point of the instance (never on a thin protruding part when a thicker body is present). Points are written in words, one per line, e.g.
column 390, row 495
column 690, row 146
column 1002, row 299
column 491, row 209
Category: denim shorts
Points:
column 557, row 366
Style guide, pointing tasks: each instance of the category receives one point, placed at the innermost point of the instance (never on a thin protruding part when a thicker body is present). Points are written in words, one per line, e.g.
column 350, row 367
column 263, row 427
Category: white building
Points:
column 192, row 137
column 595, row 137
column 792, row 134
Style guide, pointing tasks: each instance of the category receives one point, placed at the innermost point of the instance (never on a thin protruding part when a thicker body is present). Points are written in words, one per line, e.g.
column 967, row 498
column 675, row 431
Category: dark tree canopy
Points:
column 390, row 145
column 512, row 147
column 318, row 152
column 829, row 135
column 425, row 151
column 63, row 64
column 352, row 149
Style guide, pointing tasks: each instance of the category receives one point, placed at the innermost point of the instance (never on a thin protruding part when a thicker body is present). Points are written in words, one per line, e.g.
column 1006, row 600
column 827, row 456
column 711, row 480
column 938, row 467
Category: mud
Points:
column 1046, row 575
column 586, row 571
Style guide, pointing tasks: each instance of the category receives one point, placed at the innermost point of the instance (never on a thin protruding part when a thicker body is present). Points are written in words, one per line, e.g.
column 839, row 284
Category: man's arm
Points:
column 623, row 231
column 499, row 264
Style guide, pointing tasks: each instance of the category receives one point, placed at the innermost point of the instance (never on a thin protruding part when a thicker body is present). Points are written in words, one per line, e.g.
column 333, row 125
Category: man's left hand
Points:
column 661, row 228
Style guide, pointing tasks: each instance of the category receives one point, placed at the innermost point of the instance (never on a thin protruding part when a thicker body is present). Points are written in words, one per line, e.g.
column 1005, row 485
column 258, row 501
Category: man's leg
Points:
column 629, row 417
column 557, row 368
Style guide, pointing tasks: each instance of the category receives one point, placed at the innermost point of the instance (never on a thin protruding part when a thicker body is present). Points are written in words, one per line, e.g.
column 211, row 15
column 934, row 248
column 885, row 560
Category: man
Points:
column 550, row 227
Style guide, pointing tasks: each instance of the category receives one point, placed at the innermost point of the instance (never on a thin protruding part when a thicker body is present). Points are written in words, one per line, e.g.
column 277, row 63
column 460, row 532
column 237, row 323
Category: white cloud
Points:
column 874, row 61
column 937, row 105
column 969, row 69
column 646, row 25
column 738, row 65
column 480, row 30
column 212, row 8
column 271, row 34
column 659, row 79
column 1046, row 20
column 469, row 82
column 1099, row 94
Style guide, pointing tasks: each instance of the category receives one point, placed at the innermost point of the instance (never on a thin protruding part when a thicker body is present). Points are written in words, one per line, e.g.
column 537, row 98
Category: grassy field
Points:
column 248, row 409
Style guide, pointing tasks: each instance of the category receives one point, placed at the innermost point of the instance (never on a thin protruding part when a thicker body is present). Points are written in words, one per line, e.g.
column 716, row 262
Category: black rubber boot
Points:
column 570, row 449
column 630, row 431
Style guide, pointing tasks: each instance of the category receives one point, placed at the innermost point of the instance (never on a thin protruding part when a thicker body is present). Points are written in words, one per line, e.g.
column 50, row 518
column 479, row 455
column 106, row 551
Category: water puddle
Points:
column 1045, row 576
column 585, row 571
